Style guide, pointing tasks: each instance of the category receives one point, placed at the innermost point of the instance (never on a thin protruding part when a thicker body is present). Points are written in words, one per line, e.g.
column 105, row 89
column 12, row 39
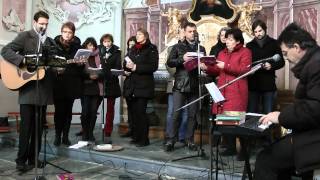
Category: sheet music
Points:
column 195, row 54
column 214, row 92
column 117, row 72
column 265, row 126
column 254, row 114
column 82, row 54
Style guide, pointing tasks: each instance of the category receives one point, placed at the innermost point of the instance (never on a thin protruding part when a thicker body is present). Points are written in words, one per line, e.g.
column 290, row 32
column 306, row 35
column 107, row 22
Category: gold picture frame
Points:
column 222, row 6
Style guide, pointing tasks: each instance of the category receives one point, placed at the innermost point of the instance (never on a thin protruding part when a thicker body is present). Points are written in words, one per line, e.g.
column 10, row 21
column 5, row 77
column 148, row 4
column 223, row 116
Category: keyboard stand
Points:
column 243, row 134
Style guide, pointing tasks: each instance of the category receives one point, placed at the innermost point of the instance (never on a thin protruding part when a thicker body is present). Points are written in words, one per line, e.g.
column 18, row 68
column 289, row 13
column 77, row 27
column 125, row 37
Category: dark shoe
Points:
column 57, row 141
column 228, row 152
column 133, row 141
column 80, row 133
column 128, row 134
column 107, row 140
column 91, row 138
column 39, row 165
column 85, row 138
column 22, row 167
column 66, row 141
column 192, row 146
column 142, row 144
column 168, row 147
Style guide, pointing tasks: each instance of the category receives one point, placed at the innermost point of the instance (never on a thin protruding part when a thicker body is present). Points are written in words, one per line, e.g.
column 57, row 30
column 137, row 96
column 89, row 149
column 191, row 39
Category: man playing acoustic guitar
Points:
column 31, row 99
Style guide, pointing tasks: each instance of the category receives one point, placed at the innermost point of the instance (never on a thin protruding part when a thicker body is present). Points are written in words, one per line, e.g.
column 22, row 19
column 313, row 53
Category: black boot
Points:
column 57, row 140
column 66, row 141
column 65, row 137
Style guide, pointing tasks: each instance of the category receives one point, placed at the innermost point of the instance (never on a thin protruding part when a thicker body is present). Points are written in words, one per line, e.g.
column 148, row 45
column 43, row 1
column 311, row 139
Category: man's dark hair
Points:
column 236, row 33
column 40, row 14
column 90, row 40
column 260, row 23
column 294, row 34
column 189, row 24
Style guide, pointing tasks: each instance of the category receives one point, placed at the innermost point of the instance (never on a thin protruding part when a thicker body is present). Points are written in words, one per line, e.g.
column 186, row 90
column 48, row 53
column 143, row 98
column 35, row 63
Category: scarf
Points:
column 96, row 56
column 138, row 45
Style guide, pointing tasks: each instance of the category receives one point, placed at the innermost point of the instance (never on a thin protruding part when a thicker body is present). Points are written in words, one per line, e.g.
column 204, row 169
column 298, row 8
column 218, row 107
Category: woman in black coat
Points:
column 68, row 84
column 139, row 64
column 92, row 90
column 111, row 59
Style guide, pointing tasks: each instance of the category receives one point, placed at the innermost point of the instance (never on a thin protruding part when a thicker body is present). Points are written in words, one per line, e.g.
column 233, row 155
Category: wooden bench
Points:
column 16, row 115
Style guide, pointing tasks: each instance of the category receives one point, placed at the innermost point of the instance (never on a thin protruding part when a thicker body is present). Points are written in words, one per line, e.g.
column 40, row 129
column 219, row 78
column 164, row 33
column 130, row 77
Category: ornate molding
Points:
column 4, row 42
column 88, row 11
column 12, row 22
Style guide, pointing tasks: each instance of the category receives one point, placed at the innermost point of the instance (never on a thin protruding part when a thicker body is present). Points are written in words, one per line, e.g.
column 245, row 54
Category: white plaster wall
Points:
column 9, row 99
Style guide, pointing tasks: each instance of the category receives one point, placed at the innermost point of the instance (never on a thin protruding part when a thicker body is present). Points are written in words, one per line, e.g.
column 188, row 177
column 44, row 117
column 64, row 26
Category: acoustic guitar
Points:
column 14, row 77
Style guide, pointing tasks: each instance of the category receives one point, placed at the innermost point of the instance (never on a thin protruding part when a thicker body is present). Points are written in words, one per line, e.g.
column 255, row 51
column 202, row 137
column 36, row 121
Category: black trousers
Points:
column 276, row 162
column 90, row 105
column 129, row 114
column 140, row 123
column 63, row 116
column 27, row 139
column 179, row 100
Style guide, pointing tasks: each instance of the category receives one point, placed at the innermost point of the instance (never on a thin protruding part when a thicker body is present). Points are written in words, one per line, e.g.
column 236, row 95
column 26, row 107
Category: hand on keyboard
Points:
column 265, row 126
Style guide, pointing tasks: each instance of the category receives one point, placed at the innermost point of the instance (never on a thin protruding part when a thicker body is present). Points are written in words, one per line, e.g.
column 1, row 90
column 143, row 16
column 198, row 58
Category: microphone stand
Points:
column 102, row 110
column 38, row 111
column 253, row 69
column 201, row 152
column 38, row 116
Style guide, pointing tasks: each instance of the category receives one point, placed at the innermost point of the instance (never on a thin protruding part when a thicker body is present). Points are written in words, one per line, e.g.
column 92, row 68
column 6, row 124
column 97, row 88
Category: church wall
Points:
column 127, row 18
column 106, row 17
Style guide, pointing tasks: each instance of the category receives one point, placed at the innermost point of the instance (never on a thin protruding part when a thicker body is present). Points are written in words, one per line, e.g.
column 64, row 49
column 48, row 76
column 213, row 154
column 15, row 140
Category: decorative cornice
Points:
column 92, row 11
column 3, row 42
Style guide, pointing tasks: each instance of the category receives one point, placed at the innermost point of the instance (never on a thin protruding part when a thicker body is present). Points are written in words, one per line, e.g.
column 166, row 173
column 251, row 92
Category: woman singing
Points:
column 68, row 85
column 139, row 65
column 232, row 62
column 111, row 59
column 92, row 90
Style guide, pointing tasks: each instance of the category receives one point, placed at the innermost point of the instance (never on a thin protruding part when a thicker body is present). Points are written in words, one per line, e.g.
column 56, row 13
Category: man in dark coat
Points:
column 185, row 87
column 298, row 151
column 262, row 85
column 30, row 101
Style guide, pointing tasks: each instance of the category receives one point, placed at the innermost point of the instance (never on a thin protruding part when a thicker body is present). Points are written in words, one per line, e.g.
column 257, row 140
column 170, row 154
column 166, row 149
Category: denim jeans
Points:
column 183, row 125
column 261, row 99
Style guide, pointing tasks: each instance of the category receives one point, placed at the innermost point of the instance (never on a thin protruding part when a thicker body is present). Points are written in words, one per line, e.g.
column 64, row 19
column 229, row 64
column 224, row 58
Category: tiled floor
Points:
column 150, row 162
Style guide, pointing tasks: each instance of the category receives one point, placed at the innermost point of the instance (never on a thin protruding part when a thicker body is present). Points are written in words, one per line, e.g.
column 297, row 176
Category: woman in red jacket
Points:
column 232, row 62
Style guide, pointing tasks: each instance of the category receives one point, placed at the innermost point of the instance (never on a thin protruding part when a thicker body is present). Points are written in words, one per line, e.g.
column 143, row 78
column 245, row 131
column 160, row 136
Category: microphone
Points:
column 59, row 57
column 32, row 55
column 274, row 58
column 42, row 30
column 196, row 37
